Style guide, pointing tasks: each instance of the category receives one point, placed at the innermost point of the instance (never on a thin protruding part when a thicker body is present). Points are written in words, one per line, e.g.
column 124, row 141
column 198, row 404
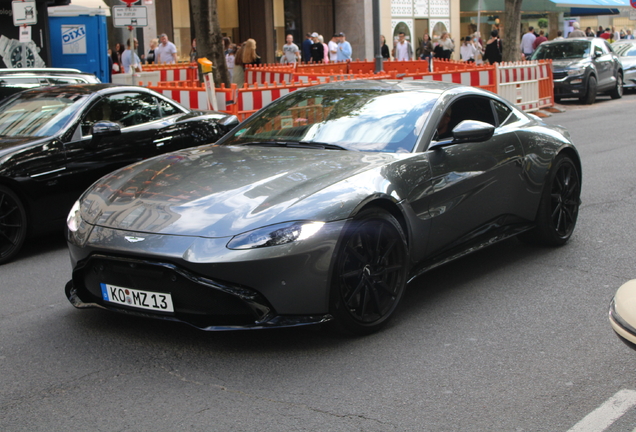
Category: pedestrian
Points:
column 467, row 51
column 479, row 47
column 616, row 34
column 402, row 50
column 589, row 32
column 606, row 34
column 166, row 52
column 307, row 43
column 228, row 45
column 291, row 53
column 540, row 39
column 447, row 45
column 600, row 31
column 628, row 34
column 333, row 48
column 317, row 50
column 325, row 49
column 115, row 56
column 130, row 62
column 230, row 57
column 527, row 42
column 559, row 35
column 193, row 51
column 493, row 50
column 384, row 49
column 426, row 50
column 577, row 32
column 344, row 48
column 150, row 57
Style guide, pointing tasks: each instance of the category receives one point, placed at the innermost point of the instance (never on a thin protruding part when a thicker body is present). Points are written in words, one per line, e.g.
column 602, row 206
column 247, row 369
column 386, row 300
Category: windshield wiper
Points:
column 294, row 144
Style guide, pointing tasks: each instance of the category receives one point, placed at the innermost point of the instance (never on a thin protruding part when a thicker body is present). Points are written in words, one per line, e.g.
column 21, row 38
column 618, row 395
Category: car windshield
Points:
column 563, row 50
column 37, row 115
column 625, row 49
column 355, row 119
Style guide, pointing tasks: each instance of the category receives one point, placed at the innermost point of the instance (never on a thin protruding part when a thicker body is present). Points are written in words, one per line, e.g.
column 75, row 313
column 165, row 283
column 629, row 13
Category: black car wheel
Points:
column 590, row 95
column 13, row 225
column 370, row 273
column 559, row 206
column 617, row 93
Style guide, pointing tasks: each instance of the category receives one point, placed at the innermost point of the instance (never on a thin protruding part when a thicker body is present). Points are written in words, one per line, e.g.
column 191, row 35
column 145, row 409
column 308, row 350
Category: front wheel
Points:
column 617, row 93
column 590, row 95
column 13, row 224
column 559, row 206
column 370, row 273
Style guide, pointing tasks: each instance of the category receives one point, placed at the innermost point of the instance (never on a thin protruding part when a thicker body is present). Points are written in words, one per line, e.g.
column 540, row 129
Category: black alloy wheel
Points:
column 370, row 273
column 617, row 92
column 13, row 225
column 559, row 207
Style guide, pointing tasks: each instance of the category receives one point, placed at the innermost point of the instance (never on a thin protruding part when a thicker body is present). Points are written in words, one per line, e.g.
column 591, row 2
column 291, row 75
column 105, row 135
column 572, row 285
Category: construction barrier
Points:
column 519, row 84
column 528, row 85
column 175, row 71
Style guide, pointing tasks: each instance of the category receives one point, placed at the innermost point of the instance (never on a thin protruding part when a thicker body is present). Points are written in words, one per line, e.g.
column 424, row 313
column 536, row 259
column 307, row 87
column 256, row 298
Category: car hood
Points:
column 218, row 191
column 568, row 63
column 10, row 144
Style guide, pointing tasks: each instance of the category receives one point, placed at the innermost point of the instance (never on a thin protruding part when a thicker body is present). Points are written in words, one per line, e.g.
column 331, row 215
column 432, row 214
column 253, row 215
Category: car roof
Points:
column 40, row 71
column 82, row 89
column 392, row 85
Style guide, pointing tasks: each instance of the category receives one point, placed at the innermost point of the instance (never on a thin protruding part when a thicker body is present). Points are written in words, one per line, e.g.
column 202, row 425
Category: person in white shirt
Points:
column 402, row 49
column 467, row 51
column 291, row 52
column 166, row 52
column 129, row 61
column 527, row 41
column 333, row 48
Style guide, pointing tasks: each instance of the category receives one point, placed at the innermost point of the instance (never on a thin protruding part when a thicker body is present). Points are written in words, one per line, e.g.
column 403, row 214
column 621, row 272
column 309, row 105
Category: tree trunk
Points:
column 207, row 32
column 512, row 31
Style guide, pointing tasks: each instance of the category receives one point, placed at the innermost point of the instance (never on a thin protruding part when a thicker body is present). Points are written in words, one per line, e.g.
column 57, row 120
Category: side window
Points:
column 62, row 81
column 467, row 108
column 502, row 111
column 168, row 109
column 99, row 111
column 607, row 48
column 131, row 109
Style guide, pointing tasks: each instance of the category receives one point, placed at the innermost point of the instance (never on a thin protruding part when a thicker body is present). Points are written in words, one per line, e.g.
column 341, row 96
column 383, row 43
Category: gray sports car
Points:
column 321, row 207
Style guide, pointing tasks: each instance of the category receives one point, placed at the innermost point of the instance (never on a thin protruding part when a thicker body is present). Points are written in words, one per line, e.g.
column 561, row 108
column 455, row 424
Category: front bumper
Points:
column 570, row 86
column 212, row 287
column 629, row 79
column 622, row 313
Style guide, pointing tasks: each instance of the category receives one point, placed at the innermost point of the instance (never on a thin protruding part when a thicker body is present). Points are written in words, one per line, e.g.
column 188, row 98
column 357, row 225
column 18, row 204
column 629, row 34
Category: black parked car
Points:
column 56, row 141
column 15, row 80
column 320, row 207
column 582, row 68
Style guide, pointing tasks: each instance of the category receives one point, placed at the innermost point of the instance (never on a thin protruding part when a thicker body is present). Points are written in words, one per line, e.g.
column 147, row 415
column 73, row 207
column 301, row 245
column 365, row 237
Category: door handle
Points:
column 509, row 149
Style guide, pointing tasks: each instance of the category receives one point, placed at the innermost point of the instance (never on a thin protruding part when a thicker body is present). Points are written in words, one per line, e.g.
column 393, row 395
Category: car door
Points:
column 474, row 184
column 90, row 157
column 604, row 63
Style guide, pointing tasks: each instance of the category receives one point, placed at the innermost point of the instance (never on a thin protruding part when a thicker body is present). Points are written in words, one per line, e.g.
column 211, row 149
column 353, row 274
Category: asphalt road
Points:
column 513, row 338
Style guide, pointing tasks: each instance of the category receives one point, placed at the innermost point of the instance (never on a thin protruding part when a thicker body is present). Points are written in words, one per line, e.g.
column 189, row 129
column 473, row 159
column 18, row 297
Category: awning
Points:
column 599, row 4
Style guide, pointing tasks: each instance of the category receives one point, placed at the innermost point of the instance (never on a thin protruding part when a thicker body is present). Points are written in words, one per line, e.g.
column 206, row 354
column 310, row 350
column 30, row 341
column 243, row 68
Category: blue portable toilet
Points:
column 79, row 39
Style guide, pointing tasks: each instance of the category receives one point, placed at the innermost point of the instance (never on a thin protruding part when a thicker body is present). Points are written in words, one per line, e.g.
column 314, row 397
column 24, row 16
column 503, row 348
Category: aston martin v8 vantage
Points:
column 321, row 207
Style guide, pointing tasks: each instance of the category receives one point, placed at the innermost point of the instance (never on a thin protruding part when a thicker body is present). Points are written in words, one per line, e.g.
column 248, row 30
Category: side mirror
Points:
column 229, row 123
column 104, row 128
column 473, row 130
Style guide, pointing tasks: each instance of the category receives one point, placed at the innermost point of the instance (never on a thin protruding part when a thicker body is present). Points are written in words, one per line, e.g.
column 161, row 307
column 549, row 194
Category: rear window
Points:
column 562, row 50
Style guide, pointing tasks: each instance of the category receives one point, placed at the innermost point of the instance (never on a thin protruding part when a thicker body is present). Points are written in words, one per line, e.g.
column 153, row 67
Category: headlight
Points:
column 74, row 218
column 275, row 235
column 572, row 72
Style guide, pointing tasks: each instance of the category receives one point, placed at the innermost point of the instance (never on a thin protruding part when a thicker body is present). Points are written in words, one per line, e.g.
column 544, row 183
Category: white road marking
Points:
column 605, row 415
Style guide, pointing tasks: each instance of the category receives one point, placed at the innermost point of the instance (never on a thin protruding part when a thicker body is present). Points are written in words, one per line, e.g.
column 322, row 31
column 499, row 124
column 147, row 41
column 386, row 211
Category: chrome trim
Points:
column 47, row 172
column 619, row 320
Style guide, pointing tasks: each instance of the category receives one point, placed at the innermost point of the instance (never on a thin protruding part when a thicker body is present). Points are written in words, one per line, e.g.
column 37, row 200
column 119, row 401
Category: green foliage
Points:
column 542, row 23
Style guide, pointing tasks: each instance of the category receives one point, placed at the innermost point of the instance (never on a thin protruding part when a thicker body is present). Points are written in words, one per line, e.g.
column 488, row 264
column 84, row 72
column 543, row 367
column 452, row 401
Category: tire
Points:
column 369, row 273
column 617, row 93
column 559, row 205
column 590, row 95
column 13, row 225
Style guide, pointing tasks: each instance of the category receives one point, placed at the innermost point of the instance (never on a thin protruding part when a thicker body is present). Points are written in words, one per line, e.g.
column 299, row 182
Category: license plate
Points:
column 136, row 298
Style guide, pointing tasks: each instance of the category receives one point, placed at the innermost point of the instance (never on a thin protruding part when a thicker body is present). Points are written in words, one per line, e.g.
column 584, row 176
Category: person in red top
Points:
column 539, row 40
column 606, row 34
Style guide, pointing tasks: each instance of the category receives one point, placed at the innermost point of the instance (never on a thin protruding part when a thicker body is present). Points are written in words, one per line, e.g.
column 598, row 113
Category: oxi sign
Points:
column 74, row 39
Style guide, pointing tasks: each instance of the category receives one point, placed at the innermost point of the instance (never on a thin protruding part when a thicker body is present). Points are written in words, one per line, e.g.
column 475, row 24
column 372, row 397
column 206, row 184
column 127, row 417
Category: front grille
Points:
column 196, row 303
column 559, row 75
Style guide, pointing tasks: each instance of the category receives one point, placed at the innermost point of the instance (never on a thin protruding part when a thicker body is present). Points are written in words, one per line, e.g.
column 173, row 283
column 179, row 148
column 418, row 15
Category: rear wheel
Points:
column 559, row 206
column 617, row 93
column 590, row 95
column 369, row 274
column 13, row 224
